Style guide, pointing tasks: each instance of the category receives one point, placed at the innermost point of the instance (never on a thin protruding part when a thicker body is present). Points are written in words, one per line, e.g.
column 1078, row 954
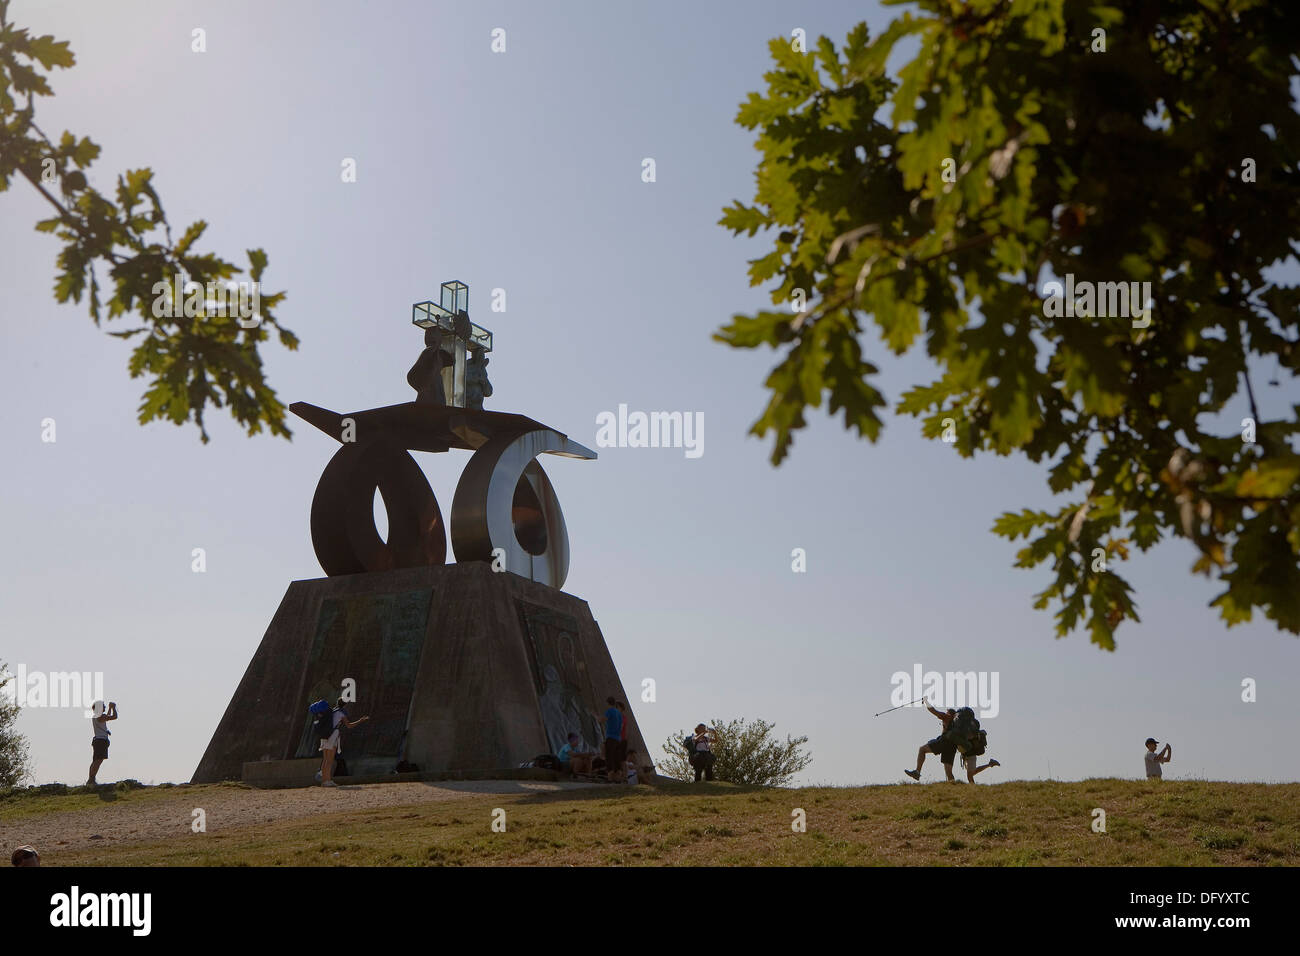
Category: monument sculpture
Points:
column 473, row 666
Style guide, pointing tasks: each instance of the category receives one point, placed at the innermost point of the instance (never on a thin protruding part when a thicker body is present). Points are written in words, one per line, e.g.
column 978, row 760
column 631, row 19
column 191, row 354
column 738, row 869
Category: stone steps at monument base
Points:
column 301, row 772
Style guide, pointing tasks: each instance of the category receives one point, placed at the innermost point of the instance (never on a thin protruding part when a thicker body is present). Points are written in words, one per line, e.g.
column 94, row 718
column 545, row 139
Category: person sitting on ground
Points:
column 702, row 759
column 332, row 745
column 573, row 760
column 946, row 749
column 565, row 754
column 1154, row 760
column 99, row 743
column 631, row 767
column 25, row 856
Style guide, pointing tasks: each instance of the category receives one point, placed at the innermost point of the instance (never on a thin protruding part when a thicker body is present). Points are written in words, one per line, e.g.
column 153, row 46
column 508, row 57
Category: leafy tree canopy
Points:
column 191, row 357
column 14, row 754
column 1028, row 141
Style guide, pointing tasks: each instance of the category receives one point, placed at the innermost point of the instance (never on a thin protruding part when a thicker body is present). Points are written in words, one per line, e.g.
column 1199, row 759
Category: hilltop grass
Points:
column 1175, row 823
column 24, row 802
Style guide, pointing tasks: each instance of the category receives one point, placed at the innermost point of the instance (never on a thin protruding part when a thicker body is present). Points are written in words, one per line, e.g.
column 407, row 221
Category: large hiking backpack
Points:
column 323, row 725
column 964, row 728
column 965, row 724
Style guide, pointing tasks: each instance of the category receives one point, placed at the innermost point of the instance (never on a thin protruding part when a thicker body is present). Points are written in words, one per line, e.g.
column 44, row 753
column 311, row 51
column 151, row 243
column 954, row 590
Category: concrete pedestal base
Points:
column 459, row 668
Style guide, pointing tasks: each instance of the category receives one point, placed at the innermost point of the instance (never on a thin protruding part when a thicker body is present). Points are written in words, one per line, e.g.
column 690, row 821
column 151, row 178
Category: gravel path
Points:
column 158, row 818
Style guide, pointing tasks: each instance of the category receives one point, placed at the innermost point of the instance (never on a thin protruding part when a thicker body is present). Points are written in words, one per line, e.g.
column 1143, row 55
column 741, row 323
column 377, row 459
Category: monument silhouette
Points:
column 469, row 668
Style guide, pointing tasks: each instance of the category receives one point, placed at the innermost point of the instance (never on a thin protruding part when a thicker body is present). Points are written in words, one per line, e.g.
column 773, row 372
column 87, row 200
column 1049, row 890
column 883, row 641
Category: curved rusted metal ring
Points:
column 504, row 500
column 343, row 530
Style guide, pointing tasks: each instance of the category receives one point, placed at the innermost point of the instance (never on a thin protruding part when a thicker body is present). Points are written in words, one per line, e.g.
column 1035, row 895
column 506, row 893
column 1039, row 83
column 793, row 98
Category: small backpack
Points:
column 546, row 762
column 978, row 743
column 689, row 744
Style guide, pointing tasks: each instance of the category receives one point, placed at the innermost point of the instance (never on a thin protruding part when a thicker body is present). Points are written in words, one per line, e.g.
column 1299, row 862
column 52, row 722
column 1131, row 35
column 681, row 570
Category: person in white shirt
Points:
column 99, row 743
column 331, row 746
column 702, row 759
column 1154, row 760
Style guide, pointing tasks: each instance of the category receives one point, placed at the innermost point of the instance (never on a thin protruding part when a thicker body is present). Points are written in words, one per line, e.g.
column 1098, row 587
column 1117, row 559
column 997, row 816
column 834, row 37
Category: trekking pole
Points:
column 908, row 704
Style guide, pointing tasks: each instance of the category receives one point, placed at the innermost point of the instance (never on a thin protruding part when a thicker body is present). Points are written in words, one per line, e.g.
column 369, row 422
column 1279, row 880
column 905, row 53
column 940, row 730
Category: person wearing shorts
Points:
column 946, row 749
column 573, row 760
column 331, row 746
column 99, row 743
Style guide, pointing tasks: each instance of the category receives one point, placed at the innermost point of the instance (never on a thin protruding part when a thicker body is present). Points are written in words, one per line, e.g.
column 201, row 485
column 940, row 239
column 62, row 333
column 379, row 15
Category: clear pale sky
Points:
column 522, row 171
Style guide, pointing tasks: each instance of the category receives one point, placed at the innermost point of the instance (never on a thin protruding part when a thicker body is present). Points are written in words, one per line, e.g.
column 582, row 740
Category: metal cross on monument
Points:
column 460, row 340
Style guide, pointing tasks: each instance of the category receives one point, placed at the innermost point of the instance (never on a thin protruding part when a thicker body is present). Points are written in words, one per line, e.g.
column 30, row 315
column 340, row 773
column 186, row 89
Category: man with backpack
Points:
column 961, row 732
column 328, row 726
column 941, row 745
column 968, row 738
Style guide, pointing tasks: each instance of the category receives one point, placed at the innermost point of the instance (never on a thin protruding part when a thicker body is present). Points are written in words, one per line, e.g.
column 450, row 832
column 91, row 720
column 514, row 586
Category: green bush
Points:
column 13, row 746
column 744, row 753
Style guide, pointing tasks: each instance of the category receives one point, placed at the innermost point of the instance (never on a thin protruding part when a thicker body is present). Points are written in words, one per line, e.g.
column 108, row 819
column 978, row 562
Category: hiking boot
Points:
column 914, row 774
column 994, row 763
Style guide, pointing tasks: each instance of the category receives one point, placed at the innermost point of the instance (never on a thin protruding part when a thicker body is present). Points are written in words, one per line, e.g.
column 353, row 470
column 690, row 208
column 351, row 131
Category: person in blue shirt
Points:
column 573, row 760
column 613, row 739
